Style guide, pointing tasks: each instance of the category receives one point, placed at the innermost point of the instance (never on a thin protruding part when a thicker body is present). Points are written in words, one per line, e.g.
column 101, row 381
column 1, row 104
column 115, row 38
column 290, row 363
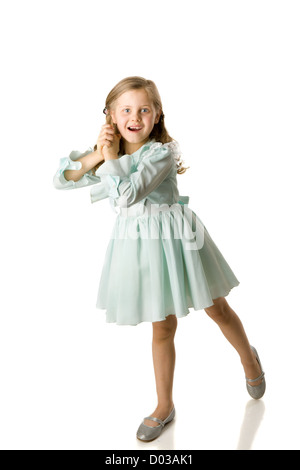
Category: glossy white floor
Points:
column 83, row 384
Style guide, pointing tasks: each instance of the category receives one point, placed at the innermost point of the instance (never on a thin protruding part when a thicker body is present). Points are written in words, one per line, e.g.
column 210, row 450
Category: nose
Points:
column 135, row 117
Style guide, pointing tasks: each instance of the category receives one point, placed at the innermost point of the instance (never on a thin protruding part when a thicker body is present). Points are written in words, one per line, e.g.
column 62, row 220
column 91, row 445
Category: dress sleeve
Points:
column 127, row 187
column 69, row 163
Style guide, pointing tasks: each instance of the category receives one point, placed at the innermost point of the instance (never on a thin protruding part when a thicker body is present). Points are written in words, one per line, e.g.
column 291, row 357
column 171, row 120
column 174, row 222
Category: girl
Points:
column 152, row 271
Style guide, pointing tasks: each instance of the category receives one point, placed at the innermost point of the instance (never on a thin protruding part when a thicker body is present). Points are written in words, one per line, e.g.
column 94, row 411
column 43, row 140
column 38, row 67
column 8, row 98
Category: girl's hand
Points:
column 108, row 143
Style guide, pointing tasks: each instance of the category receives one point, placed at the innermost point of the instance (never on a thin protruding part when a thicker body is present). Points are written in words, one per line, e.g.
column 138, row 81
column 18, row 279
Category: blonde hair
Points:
column 159, row 131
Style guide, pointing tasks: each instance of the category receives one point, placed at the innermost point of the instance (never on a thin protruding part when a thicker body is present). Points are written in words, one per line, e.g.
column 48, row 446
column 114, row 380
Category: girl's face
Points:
column 135, row 117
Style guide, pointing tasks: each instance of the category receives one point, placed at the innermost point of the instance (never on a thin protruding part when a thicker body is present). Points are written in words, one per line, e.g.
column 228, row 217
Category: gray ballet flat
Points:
column 256, row 391
column 148, row 433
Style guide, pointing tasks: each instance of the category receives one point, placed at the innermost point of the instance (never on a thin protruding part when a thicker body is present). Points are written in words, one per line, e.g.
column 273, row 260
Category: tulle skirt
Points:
column 160, row 261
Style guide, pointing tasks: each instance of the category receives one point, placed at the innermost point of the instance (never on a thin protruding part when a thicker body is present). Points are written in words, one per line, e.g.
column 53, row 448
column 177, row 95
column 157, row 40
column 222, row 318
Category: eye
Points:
column 146, row 109
column 126, row 109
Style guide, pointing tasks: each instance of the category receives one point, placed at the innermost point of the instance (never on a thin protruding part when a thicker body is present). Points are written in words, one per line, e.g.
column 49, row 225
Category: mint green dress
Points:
column 160, row 259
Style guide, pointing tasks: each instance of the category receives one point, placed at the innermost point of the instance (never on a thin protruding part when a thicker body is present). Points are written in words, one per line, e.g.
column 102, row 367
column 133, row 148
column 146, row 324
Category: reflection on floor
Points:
column 254, row 413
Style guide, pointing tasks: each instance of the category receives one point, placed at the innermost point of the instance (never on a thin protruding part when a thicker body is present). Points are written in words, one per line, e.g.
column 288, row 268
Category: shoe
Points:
column 149, row 433
column 256, row 391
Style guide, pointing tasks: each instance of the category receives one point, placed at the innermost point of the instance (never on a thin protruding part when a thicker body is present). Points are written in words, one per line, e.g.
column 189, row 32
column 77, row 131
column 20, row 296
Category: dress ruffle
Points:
column 70, row 163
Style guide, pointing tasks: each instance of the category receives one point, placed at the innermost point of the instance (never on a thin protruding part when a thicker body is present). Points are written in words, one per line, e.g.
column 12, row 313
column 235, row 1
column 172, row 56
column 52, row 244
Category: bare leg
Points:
column 163, row 351
column 232, row 328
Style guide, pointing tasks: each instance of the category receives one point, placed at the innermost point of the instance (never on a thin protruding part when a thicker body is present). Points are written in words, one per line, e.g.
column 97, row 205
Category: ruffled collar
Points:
column 152, row 144
column 149, row 143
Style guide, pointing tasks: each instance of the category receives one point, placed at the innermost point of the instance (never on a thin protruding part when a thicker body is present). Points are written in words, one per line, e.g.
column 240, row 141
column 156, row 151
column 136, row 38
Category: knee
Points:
column 165, row 330
column 220, row 311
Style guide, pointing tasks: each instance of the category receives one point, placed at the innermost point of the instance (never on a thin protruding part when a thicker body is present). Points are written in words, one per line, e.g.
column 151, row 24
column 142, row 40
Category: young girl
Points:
column 160, row 259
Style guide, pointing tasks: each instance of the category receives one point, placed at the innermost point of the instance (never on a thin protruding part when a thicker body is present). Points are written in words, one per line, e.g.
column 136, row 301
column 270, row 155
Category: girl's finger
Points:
column 106, row 133
column 107, row 137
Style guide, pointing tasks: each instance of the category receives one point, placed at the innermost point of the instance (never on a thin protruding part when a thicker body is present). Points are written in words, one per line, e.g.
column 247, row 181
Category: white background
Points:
column 228, row 74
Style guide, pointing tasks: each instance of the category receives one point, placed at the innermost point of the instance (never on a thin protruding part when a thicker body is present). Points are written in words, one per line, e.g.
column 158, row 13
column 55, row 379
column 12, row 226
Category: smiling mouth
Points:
column 134, row 128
